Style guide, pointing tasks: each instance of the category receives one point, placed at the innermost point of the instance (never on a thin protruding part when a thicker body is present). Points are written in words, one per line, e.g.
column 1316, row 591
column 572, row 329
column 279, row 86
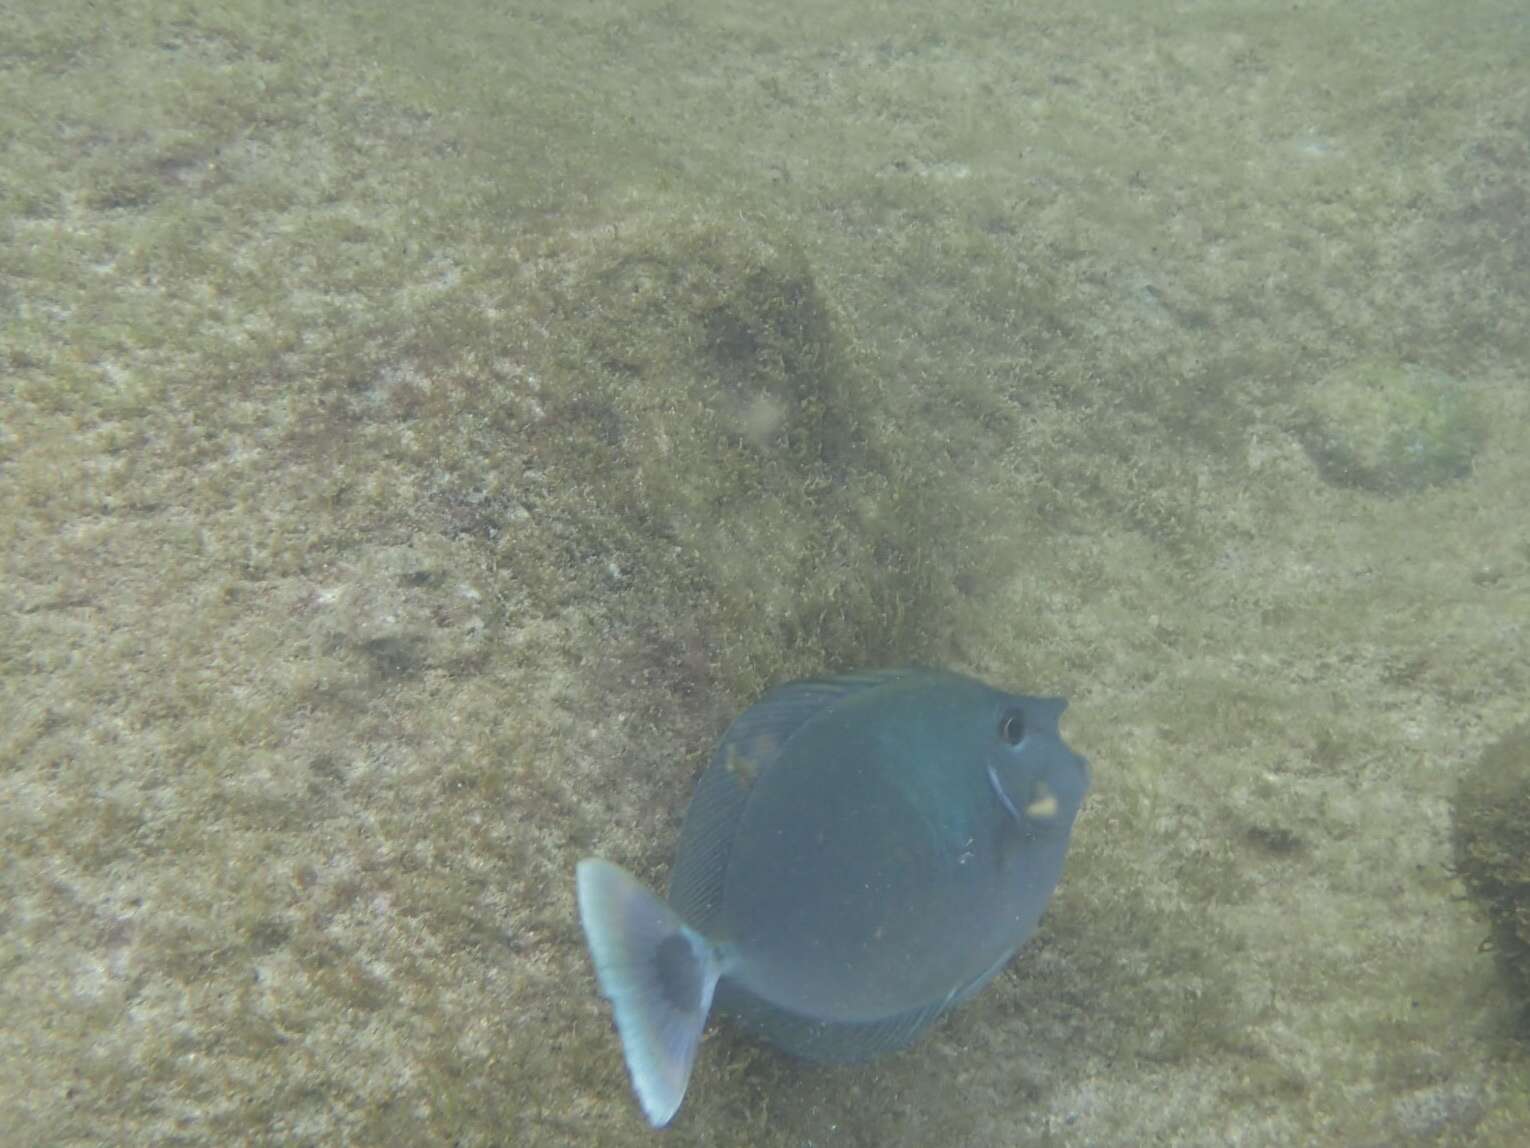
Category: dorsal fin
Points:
column 760, row 731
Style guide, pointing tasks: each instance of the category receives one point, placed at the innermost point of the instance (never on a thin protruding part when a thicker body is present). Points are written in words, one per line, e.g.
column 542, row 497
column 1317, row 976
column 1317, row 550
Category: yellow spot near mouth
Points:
column 1043, row 806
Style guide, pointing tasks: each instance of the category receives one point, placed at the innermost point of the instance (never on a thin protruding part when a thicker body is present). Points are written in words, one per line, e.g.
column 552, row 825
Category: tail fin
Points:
column 659, row 976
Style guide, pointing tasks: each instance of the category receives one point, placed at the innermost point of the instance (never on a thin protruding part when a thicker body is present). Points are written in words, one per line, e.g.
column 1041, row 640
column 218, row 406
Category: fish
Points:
column 861, row 854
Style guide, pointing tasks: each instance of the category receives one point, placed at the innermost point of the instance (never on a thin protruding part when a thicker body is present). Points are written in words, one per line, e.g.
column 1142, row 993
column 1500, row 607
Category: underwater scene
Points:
column 544, row 548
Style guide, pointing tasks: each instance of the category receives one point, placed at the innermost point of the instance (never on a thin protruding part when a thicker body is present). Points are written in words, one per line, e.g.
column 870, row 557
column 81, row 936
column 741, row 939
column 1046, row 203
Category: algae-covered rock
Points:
column 1389, row 428
column 722, row 321
column 1492, row 841
column 701, row 386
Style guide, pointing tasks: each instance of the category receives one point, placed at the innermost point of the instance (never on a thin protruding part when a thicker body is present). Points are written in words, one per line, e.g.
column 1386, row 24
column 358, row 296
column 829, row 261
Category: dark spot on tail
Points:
column 679, row 973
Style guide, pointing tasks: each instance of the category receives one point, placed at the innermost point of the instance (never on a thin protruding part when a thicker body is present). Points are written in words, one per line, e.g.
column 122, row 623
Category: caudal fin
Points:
column 659, row 976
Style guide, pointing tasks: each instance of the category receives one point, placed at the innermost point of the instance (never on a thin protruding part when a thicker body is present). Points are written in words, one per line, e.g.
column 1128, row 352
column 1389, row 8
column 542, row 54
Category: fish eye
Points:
column 1012, row 727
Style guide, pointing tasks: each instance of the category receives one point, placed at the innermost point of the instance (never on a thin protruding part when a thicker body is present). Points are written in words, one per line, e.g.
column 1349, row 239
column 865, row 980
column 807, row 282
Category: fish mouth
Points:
column 1042, row 806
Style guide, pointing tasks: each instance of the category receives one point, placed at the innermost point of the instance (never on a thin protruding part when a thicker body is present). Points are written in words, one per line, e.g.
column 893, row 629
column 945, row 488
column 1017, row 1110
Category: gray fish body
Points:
column 860, row 854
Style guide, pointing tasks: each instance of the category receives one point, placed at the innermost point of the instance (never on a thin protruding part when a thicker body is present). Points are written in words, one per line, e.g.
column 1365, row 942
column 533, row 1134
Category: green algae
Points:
column 1391, row 429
